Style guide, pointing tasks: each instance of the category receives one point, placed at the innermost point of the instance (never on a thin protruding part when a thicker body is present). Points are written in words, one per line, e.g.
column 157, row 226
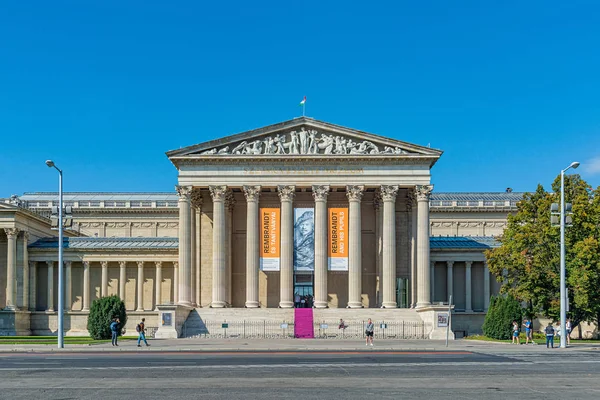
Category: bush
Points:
column 501, row 313
column 101, row 315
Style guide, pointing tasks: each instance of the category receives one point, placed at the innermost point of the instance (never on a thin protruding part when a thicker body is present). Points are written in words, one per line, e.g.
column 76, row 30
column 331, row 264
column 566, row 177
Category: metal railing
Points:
column 383, row 330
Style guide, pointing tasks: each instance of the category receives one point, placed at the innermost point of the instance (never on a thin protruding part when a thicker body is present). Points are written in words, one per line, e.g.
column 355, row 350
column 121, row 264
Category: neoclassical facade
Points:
column 342, row 217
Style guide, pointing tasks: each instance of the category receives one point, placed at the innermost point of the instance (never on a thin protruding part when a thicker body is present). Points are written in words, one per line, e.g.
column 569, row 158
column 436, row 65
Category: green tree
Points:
column 528, row 260
column 502, row 312
column 101, row 315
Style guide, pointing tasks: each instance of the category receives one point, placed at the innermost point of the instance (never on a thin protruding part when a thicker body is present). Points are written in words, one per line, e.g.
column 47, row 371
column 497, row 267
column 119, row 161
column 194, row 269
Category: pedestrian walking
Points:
column 515, row 333
column 528, row 331
column 569, row 328
column 115, row 325
column 369, row 332
column 141, row 329
column 549, row 335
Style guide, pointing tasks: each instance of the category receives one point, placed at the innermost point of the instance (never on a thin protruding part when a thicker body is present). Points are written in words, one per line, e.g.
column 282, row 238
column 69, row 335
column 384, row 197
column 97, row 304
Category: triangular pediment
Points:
column 304, row 137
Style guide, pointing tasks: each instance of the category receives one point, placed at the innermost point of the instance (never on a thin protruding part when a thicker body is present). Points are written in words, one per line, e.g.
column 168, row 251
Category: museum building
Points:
column 302, row 213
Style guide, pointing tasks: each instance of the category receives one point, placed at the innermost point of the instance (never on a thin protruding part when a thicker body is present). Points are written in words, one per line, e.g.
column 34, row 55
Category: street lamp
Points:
column 563, row 287
column 61, row 308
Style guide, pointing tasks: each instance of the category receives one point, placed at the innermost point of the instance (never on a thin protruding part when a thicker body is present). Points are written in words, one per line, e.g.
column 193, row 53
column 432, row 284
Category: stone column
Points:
column 354, row 194
column 229, row 206
column 25, row 271
column 175, row 281
column 432, row 281
column 196, row 201
column 122, row 279
column 86, row 286
column 192, row 253
column 33, row 285
column 286, row 274
column 252, row 194
column 388, row 194
column 11, row 268
column 412, row 201
column 486, row 286
column 68, row 285
column 158, row 290
column 377, row 205
column 50, row 305
column 185, row 251
column 468, row 302
column 450, row 280
column 423, row 192
column 104, row 285
column 140, row 286
column 320, row 193
column 218, row 194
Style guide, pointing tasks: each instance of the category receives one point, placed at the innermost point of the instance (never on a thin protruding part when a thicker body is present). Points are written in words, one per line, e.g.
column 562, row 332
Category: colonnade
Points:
column 468, row 283
column 190, row 206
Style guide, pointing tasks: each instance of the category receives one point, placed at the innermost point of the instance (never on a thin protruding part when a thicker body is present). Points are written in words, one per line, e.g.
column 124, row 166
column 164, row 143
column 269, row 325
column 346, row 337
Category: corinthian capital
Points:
column 355, row 192
column 389, row 192
column 251, row 192
column 196, row 198
column 423, row 192
column 286, row 192
column 229, row 200
column 11, row 232
column 218, row 193
column 320, row 192
column 183, row 191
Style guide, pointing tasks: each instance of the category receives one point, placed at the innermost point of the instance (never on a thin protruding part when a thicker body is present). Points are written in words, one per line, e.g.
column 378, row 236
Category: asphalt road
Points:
column 299, row 375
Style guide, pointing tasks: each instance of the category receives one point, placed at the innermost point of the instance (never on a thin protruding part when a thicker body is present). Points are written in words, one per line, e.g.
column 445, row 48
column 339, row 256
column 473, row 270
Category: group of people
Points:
column 549, row 331
column 305, row 301
column 115, row 329
column 369, row 330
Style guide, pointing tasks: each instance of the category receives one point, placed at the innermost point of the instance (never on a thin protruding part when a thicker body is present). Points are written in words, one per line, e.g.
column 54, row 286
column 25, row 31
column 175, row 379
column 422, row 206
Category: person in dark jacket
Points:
column 549, row 335
column 114, row 329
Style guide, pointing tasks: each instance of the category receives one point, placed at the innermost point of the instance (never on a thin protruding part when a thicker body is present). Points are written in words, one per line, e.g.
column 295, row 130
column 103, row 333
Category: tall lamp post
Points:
column 563, row 286
column 61, row 308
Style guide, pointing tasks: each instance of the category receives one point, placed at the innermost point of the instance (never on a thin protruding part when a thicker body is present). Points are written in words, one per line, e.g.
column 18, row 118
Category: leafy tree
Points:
column 101, row 315
column 528, row 260
column 502, row 312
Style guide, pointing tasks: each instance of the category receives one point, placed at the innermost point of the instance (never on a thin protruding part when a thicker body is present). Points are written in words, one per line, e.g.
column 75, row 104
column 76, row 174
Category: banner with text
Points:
column 269, row 233
column 338, row 239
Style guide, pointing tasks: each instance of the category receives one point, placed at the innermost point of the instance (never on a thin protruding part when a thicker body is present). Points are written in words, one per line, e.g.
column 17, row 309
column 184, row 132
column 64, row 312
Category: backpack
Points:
column 138, row 328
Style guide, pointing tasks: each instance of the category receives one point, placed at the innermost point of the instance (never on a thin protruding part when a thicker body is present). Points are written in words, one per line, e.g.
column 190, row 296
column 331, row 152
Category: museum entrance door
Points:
column 303, row 289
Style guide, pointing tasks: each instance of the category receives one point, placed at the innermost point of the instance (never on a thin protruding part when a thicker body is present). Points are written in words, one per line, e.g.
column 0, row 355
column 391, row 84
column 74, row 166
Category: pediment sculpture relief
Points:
column 304, row 142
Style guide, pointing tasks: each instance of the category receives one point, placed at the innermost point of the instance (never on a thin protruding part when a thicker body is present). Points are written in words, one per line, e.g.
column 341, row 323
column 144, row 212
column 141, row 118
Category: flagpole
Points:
column 303, row 107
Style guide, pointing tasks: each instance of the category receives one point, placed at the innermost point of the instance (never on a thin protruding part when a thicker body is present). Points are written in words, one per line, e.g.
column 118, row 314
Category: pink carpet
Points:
column 303, row 323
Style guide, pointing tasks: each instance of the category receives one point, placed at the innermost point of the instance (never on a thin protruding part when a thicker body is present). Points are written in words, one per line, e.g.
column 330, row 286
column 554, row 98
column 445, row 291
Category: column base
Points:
column 389, row 305
column 218, row 304
column 11, row 308
column 469, row 311
column 355, row 304
column 139, row 310
column 185, row 303
column 321, row 304
column 252, row 304
column 50, row 310
column 85, row 309
column 421, row 305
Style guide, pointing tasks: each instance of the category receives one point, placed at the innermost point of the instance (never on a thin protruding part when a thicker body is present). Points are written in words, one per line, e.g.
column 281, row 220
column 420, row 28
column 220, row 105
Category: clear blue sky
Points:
column 510, row 90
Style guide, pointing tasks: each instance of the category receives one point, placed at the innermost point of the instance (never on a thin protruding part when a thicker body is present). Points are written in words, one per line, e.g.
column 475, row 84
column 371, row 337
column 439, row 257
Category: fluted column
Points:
column 50, row 302
column 320, row 193
column 423, row 192
column 354, row 194
column 175, row 281
column 122, row 279
column 140, row 286
column 25, row 271
column 192, row 253
column 377, row 205
column 196, row 201
column 185, row 251
column 68, row 285
column 450, row 279
column 432, row 273
column 229, row 206
column 86, row 286
column 252, row 194
column 11, row 268
column 486, row 286
column 218, row 194
column 286, row 274
column 468, row 302
column 388, row 194
column 104, row 285
column 412, row 202
column 158, row 290
column 33, row 285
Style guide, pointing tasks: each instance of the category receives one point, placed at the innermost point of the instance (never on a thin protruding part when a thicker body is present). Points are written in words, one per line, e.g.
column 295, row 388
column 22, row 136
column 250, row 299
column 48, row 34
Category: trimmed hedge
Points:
column 101, row 315
column 501, row 313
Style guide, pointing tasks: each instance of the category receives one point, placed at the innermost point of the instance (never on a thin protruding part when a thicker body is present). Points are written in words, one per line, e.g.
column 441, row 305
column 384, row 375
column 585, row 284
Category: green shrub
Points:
column 101, row 315
column 501, row 313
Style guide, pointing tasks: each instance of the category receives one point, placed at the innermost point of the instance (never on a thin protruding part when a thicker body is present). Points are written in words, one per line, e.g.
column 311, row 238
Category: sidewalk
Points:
column 267, row 345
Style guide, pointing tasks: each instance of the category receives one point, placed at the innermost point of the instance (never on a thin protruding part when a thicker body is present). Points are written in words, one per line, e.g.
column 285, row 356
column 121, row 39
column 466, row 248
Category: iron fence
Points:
column 383, row 329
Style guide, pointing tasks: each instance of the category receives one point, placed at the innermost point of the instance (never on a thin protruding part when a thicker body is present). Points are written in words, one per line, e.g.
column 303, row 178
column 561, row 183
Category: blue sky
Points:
column 509, row 90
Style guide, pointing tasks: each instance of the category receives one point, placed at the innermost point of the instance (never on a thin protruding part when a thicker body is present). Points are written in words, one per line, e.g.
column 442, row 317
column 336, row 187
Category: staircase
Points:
column 303, row 323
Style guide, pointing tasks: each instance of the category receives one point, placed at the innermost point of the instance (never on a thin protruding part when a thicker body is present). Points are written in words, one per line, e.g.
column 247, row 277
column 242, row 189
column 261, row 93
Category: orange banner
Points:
column 270, row 238
column 338, row 239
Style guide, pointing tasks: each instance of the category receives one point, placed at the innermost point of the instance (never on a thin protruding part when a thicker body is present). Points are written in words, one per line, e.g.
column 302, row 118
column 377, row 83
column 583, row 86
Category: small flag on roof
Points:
column 303, row 101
